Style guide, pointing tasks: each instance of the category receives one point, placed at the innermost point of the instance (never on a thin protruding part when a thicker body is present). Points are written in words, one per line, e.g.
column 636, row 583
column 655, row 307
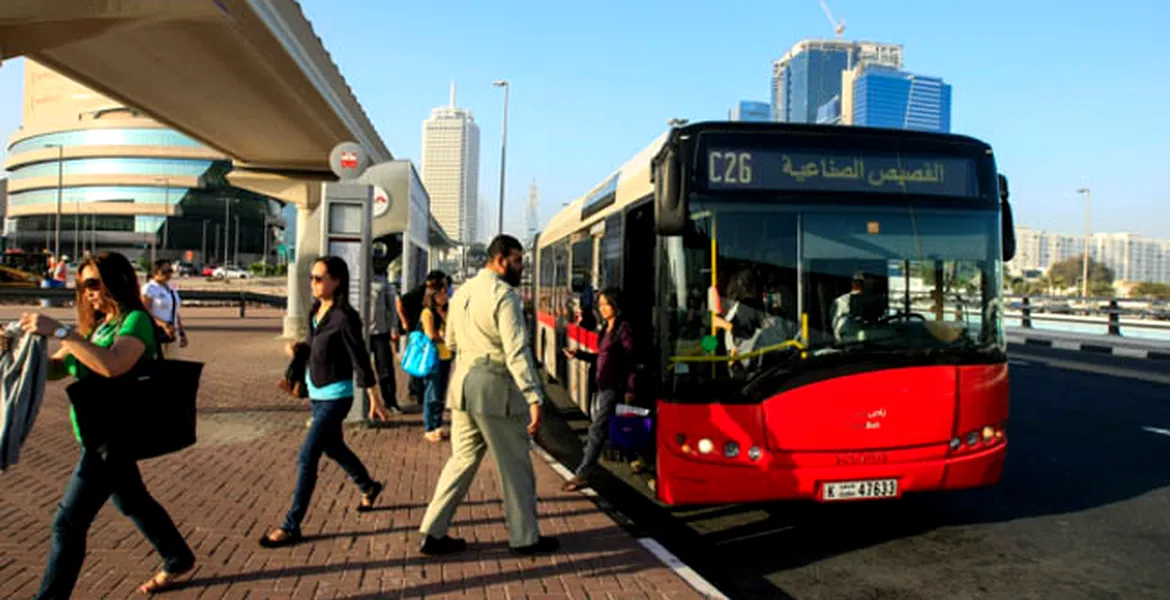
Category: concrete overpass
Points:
column 246, row 77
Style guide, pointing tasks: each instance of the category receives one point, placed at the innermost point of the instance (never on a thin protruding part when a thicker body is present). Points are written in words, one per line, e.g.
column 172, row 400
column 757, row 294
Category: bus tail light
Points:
column 984, row 437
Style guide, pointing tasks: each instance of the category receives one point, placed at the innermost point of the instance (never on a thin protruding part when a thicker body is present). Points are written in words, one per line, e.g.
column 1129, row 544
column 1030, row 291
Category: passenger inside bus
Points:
column 754, row 322
column 852, row 311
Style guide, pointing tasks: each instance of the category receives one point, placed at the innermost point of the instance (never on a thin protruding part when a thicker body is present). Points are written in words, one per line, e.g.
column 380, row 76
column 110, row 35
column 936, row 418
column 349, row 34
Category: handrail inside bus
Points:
column 745, row 356
column 793, row 343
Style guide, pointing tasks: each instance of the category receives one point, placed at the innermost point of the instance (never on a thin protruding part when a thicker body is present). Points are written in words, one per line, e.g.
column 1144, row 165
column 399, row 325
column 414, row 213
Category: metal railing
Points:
column 190, row 298
column 1111, row 310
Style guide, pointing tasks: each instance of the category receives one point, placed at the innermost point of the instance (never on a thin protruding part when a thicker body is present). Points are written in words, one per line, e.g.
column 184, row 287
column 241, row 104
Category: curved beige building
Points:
column 118, row 180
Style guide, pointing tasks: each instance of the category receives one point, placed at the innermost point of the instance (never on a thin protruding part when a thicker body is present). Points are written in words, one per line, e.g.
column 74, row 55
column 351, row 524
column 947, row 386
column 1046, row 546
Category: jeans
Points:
column 325, row 437
column 435, row 396
column 95, row 480
column 384, row 365
column 604, row 407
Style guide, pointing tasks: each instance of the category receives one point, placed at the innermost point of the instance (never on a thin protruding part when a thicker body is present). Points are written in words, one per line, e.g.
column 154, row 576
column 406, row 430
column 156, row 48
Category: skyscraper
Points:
column 450, row 169
column 809, row 74
column 747, row 110
column 886, row 97
column 125, row 182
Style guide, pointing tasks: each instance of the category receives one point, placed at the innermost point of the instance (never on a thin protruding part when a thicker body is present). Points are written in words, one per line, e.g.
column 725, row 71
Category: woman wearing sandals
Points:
column 615, row 380
column 114, row 332
column 434, row 324
column 336, row 352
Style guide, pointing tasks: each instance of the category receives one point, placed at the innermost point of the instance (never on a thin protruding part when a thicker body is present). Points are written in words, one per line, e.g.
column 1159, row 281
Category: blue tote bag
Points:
column 421, row 358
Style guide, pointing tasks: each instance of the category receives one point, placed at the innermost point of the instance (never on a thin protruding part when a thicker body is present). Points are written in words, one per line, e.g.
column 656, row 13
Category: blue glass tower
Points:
column 884, row 97
column 809, row 75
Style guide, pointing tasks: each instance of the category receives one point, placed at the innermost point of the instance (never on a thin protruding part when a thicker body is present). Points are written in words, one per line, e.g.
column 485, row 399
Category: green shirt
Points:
column 136, row 324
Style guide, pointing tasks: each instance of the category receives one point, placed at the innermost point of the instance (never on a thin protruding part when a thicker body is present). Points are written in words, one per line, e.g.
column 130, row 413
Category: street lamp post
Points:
column 503, row 152
column 166, row 210
column 203, row 248
column 1085, row 261
column 227, row 212
column 60, row 190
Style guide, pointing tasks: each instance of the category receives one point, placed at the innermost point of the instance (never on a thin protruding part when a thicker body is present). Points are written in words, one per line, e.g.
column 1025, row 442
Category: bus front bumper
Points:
column 683, row 481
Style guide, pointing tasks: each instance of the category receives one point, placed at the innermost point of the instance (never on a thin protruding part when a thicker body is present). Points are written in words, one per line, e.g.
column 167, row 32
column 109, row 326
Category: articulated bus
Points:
column 819, row 308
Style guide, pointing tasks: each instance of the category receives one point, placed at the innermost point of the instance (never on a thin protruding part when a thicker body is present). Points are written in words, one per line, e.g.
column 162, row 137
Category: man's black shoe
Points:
column 434, row 546
column 545, row 545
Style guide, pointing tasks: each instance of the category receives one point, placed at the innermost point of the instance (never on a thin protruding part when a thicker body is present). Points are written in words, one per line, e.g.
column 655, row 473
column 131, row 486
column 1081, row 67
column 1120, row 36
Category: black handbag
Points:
column 146, row 413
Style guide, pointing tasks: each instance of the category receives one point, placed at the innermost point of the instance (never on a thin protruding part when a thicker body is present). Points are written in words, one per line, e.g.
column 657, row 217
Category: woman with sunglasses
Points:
column 336, row 352
column 114, row 332
column 163, row 302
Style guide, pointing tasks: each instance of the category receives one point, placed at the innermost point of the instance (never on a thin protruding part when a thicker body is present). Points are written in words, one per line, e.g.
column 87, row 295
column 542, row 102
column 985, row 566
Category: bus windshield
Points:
column 756, row 289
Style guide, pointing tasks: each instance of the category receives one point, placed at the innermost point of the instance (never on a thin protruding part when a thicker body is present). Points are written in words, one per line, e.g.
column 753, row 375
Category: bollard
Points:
column 1026, row 312
column 243, row 304
column 1114, row 318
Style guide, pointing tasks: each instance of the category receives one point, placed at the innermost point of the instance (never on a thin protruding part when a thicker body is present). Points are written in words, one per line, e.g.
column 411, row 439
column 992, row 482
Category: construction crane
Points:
column 838, row 26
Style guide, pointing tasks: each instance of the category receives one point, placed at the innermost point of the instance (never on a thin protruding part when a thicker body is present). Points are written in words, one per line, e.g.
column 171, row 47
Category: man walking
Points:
column 495, row 397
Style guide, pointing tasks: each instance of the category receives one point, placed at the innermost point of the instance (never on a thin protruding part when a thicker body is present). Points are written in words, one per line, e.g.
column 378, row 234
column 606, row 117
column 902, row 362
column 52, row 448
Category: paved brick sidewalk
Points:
column 237, row 482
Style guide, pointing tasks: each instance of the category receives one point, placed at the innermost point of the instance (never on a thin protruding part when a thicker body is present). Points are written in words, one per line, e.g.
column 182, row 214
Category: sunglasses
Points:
column 92, row 284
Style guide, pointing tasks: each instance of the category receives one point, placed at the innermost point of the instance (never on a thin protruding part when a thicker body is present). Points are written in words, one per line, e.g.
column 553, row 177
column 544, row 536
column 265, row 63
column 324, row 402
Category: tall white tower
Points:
column 530, row 214
column 450, row 169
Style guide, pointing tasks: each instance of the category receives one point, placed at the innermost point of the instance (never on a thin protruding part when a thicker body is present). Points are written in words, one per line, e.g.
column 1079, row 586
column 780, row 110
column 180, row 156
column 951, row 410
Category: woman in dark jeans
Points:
column 434, row 324
column 336, row 352
column 114, row 333
column 615, row 380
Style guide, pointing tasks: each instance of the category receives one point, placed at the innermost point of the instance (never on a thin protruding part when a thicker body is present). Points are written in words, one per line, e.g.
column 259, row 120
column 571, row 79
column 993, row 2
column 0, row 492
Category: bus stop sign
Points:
column 348, row 161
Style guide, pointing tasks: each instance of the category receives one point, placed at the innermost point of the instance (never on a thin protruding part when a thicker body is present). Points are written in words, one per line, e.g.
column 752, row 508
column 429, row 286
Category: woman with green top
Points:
column 336, row 353
column 113, row 334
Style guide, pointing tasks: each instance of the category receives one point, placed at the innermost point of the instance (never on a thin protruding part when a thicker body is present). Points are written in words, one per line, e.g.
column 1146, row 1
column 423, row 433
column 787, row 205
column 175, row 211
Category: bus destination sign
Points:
column 778, row 170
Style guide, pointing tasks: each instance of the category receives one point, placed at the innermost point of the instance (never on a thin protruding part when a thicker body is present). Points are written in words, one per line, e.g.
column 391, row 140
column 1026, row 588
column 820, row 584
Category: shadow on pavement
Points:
column 1075, row 443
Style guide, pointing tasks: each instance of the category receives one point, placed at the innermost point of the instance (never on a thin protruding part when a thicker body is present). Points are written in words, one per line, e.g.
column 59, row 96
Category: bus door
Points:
column 582, row 329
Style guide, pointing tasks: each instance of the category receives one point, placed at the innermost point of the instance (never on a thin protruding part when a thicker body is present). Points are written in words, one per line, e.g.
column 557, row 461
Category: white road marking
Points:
column 681, row 569
column 1063, row 345
column 1130, row 352
column 659, row 551
column 1157, row 430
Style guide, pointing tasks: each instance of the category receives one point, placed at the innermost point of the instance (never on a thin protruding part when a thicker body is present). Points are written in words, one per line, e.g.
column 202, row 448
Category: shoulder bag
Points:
column 145, row 413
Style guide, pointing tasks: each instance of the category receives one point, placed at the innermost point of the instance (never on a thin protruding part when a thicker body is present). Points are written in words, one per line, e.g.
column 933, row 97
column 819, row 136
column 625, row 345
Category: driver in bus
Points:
column 842, row 316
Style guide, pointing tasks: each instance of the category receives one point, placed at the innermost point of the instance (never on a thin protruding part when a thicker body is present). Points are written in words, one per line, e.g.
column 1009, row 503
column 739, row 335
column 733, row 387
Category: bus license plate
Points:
column 859, row 490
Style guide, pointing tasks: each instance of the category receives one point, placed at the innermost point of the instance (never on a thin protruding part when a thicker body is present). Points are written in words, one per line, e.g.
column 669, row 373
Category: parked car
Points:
column 231, row 273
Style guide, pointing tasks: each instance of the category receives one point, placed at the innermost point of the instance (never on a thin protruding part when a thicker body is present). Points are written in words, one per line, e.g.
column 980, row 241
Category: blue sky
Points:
column 1069, row 93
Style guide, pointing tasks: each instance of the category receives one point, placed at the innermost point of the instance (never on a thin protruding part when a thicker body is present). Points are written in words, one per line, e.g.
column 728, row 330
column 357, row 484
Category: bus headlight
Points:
column 705, row 446
column 955, row 443
column 731, row 449
column 972, row 438
column 988, row 433
column 754, row 453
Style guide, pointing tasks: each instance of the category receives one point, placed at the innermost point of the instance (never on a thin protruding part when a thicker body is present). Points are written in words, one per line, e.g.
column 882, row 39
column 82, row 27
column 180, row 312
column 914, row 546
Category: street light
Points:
column 60, row 188
column 1085, row 261
column 166, row 209
column 503, row 151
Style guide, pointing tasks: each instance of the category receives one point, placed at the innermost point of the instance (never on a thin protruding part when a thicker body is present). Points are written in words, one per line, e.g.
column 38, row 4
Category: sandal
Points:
column 370, row 497
column 286, row 539
column 574, row 484
column 161, row 582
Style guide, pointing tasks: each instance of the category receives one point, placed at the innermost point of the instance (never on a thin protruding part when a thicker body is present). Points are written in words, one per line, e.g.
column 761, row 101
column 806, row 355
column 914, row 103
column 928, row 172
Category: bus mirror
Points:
column 1009, row 232
column 670, row 211
column 1007, row 222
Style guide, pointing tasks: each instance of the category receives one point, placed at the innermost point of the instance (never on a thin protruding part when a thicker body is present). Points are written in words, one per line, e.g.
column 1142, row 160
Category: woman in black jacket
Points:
column 336, row 352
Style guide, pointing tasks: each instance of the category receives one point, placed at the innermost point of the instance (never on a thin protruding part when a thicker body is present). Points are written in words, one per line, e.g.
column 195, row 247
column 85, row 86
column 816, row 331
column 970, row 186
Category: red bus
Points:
column 820, row 308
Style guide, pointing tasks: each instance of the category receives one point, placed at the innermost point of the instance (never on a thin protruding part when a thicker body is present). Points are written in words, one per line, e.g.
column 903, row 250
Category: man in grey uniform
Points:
column 495, row 395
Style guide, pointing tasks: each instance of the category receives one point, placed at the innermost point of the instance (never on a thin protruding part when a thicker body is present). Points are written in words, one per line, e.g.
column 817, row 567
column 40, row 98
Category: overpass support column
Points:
column 296, row 322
